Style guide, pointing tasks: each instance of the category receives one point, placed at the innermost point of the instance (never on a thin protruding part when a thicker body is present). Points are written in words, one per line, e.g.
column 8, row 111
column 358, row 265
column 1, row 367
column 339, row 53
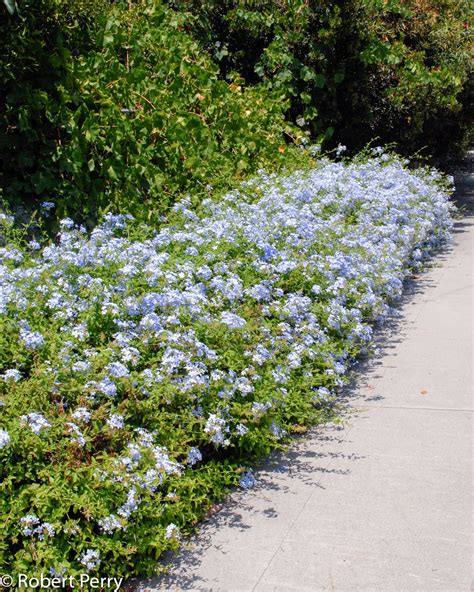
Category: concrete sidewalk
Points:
column 383, row 502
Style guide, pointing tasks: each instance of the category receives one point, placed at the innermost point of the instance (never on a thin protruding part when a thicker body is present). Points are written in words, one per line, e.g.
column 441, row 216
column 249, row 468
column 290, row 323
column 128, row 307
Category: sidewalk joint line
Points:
column 460, row 409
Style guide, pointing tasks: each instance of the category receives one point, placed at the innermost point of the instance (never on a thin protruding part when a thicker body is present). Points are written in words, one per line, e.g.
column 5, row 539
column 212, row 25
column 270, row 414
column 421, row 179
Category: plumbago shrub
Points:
column 142, row 370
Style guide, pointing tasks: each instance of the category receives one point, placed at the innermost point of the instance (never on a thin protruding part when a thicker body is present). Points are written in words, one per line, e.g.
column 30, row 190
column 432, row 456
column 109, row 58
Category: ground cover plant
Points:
column 142, row 370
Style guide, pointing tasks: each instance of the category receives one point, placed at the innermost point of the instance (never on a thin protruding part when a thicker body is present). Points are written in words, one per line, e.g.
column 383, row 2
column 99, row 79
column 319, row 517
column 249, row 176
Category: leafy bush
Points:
column 142, row 370
column 37, row 42
column 131, row 116
column 353, row 70
column 419, row 53
column 295, row 47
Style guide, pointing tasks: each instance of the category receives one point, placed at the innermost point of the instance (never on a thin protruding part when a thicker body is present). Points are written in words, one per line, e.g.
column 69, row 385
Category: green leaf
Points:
column 10, row 5
column 310, row 112
column 320, row 80
column 329, row 132
column 306, row 98
column 307, row 73
column 111, row 173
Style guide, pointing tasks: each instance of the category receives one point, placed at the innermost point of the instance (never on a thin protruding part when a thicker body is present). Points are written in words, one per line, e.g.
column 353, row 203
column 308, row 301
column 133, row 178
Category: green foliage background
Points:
column 117, row 107
column 124, row 105
column 353, row 70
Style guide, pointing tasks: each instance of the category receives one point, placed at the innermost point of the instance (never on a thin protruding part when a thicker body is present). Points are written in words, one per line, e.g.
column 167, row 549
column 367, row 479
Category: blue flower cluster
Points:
column 155, row 353
column 32, row 526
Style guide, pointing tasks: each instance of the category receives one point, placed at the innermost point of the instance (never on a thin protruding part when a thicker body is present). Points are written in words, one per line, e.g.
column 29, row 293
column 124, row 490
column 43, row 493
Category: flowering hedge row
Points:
column 140, row 369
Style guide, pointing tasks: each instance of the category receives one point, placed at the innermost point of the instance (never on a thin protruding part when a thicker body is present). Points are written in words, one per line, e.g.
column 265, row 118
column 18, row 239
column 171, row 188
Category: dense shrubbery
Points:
column 38, row 42
column 132, row 114
column 142, row 369
column 353, row 70
column 113, row 105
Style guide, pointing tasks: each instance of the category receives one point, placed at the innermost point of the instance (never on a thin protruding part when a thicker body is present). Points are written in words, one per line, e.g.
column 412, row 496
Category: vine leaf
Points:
column 10, row 6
